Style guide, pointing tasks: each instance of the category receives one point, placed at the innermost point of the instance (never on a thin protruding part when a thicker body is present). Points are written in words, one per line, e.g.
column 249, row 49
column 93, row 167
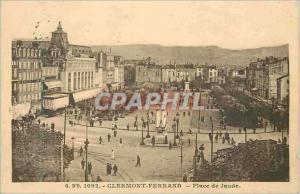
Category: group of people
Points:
column 109, row 169
column 89, row 166
column 225, row 138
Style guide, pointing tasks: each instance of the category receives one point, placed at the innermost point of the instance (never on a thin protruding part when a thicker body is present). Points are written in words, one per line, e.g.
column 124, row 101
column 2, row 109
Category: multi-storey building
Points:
column 26, row 77
column 148, row 73
column 262, row 76
column 283, row 90
column 185, row 72
column 169, row 73
column 26, row 73
column 210, row 74
column 113, row 69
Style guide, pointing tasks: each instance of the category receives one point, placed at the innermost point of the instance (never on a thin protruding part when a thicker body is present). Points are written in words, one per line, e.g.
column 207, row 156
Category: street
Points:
column 157, row 163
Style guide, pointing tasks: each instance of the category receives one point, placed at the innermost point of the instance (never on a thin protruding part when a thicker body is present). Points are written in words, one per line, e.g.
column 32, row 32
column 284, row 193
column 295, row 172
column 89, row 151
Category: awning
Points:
column 53, row 84
column 55, row 101
column 86, row 94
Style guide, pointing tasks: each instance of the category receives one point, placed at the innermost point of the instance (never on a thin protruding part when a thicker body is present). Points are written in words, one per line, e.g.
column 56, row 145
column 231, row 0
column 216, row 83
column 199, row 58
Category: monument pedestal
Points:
column 161, row 138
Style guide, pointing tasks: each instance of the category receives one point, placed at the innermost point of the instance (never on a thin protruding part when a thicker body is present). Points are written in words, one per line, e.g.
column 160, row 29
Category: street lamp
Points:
column 174, row 130
column 177, row 125
column 143, row 125
column 148, row 135
column 86, row 147
column 86, row 159
column 73, row 138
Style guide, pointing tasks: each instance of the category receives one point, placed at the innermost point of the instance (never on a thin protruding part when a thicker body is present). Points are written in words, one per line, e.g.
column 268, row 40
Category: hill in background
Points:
column 194, row 54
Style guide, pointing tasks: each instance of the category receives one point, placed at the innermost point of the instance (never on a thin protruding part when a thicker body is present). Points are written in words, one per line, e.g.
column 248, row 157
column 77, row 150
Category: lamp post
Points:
column 174, row 130
column 199, row 111
column 73, row 138
column 195, row 156
column 177, row 125
column 143, row 125
column 212, row 142
column 148, row 135
column 86, row 148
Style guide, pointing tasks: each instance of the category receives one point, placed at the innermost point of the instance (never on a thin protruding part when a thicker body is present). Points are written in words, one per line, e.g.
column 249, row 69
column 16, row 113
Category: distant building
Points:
column 186, row 72
column 283, row 90
column 262, row 76
column 113, row 69
column 210, row 74
column 148, row 73
column 169, row 73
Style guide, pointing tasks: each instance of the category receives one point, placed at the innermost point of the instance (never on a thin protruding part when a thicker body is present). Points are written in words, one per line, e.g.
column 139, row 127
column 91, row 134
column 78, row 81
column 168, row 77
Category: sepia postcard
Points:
column 149, row 96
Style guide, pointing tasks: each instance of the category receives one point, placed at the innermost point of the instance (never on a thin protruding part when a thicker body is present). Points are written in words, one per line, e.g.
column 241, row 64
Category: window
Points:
column 74, row 81
column 85, row 80
column 78, row 82
column 69, row 82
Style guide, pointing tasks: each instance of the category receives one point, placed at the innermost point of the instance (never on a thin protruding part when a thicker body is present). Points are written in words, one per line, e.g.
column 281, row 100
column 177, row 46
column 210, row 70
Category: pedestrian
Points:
column 121, row 141
column 210, row 137
column 170, row 145
column 254, row 130
column 108, row 137
column 184, row 179
column 232, row 141
column 189, row 113
column 100, row 122
column 190, row 131
column 115, row 133
column 189, row 141
column 80, row 151
column 183, row 114
column 100, row 140
column 138, row 161
column 82, row 163
column 181, row 133
column 166, row 140
column 109, row 168
column 98, row 179
column 153, row 141
column 284, row 141
column 115, row 168
column 127, row 127
column 90, row 167
column 216, row 138
column 201, row 154
column 112, row 154
column 266, row 125
column 240, row 130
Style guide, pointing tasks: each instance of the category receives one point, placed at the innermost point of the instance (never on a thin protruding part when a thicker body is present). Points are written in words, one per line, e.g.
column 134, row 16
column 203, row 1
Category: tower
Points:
column 59, row 45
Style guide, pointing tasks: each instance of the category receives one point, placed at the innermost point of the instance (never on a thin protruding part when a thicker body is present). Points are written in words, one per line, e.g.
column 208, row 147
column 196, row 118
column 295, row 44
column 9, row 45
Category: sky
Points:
column 233, row 25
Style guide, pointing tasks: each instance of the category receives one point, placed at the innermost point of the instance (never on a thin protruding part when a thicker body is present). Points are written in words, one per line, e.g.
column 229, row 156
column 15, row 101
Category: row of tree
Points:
column 36, row 153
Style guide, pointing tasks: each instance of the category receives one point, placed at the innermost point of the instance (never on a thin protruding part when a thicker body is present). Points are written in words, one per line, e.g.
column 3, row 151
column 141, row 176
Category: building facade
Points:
column 26, row 73
column 262, row 76
column 112, row 68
